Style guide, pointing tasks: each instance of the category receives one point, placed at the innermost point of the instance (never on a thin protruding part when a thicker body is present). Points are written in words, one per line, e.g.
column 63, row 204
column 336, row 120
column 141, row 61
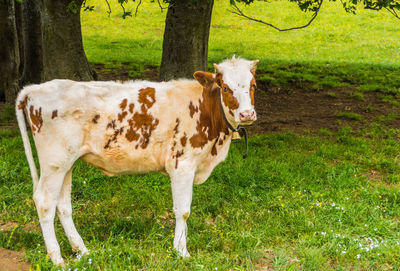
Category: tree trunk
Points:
column 32, row 41
column 185, row 46
column 63, row 54
column 9, row 52
column 20, row 34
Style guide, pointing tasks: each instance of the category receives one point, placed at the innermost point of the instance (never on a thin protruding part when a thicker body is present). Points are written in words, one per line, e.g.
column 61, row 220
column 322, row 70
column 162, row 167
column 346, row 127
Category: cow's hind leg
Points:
column 64, row 211
column 46, row 198
column 182, row 190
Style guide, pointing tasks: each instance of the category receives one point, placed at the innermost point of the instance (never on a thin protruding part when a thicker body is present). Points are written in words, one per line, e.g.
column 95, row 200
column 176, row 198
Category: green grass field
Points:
column 316, row 203
column 329, row 201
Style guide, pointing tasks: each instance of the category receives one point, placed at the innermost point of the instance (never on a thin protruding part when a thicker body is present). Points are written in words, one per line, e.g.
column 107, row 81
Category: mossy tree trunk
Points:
column 185, row 45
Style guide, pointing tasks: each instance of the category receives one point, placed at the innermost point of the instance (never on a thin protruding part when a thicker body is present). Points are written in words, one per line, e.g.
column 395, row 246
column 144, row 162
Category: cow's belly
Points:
column 115, row 162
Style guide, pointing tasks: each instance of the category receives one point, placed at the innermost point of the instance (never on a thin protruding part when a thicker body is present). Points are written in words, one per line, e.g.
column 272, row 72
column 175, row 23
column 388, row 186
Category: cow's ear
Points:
column 254, row 66
column 206, row 79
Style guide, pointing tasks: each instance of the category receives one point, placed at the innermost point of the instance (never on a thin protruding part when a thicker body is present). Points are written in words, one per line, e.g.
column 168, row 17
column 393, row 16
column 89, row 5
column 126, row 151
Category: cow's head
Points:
column 235, row 79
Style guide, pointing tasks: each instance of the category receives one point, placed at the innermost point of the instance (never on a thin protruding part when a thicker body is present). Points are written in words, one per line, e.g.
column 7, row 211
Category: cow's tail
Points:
column 19, row 108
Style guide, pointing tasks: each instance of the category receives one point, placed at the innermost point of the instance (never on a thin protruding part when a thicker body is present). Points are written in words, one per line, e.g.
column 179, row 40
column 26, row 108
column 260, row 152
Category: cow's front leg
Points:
column 182, row 190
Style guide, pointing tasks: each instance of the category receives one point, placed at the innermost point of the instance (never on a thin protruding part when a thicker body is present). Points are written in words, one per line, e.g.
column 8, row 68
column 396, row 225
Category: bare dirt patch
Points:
column 291, row 109
column 11, row 260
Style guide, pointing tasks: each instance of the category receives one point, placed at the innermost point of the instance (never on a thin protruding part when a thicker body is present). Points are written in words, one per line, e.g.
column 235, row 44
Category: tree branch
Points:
column 393, row 12
column 109, row 8
column 137, row 7
column 240, row 13
column 161, row 7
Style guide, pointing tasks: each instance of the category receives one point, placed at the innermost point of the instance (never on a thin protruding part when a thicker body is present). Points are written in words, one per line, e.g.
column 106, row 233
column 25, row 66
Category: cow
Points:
column 180, row 128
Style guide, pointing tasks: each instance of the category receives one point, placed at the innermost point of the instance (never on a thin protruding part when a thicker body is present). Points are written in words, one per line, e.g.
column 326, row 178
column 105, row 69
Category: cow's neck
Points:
column 218, row 125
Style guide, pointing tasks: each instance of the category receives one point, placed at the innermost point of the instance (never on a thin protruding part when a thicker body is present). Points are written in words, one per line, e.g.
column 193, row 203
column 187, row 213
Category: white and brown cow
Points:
column 174, row 127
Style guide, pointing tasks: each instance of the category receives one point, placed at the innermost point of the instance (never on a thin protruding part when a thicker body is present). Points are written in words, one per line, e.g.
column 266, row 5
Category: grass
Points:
column 315, row 203
column 349, row 115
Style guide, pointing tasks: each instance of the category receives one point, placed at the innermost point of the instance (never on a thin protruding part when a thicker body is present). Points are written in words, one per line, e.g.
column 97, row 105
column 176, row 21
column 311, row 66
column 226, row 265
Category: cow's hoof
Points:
column 183, row 253
column 59, row 262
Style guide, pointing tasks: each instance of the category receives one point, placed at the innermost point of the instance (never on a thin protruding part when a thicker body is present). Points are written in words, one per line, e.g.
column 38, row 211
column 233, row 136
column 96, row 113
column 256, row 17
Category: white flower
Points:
column 378, row 254
column 333, row 204
column 90, row 261
column 323, row 233
column 343, row 252
column 365, row 225
column 358, row 256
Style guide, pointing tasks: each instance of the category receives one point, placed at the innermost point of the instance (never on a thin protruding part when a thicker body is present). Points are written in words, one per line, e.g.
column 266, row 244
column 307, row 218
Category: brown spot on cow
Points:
column 122, row 115
column 114, row 137
column 177, row 155
column 193, row 109
column 95, row 118
column 36, row 118
column 210, row 122
column 147, row 98
column 131, row 135
column 214, row 148
column 252, row 90
column 227, row 95
column 176, row 127
column 143, row 123
column 123, row 104
column 186, row 216
column 54, row 114
column 131, row 106
column 23, row 104
column 183, row 140
column 111, row 125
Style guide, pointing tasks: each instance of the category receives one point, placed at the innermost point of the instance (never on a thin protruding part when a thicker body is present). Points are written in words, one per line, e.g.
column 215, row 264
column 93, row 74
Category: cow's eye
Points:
column 254, row 87
column 225, row 89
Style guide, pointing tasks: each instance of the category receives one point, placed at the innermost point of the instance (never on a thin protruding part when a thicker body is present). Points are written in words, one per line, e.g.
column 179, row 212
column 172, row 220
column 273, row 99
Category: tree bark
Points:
column 185, row 45
column 9, row 52
column 20, row 34
column 63, row 53
column 32, row 41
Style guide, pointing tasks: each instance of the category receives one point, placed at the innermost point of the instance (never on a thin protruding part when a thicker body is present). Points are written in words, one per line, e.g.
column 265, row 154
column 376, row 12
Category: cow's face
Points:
column 235, row 78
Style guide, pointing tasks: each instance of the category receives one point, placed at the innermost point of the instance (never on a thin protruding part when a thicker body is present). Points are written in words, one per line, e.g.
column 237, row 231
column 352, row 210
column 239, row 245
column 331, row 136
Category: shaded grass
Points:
column 296, row 201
